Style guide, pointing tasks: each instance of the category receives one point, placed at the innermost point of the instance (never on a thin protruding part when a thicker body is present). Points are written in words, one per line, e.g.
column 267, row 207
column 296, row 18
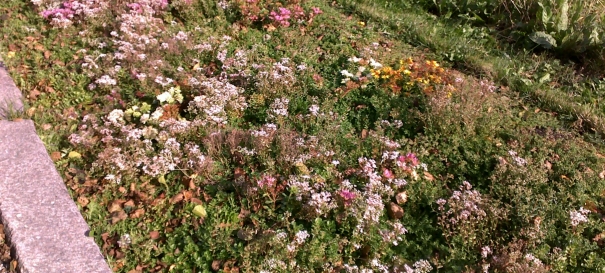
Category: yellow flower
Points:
column 407, row 72
column 375, row 73
column 361, row 24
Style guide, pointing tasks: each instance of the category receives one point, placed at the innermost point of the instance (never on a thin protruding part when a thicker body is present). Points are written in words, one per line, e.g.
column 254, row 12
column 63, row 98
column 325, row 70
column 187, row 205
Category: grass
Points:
column 370, row 135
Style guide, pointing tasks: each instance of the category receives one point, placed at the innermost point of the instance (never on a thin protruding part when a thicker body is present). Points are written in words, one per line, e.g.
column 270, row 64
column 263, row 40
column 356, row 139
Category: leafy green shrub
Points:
column 569, row 28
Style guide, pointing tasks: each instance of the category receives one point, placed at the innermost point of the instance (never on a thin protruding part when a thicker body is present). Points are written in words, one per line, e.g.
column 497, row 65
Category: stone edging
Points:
column 45, row 228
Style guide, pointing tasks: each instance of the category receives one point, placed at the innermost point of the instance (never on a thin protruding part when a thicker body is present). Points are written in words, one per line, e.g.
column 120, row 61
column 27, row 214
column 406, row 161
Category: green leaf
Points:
column 544, row 39
column 563, row 15
column 544, row 78
column 74, row 154
column 545, row 14
column 200, row 211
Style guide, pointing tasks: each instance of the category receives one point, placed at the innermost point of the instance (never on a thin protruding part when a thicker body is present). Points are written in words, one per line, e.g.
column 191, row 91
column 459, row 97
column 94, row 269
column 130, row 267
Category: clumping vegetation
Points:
column 322, row 136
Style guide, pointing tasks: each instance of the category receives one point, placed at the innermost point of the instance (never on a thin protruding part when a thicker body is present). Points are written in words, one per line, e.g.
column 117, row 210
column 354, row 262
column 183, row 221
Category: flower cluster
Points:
column 463, row 211
column 63, row 14
column 578, row 216
column 427, row 75
column 277, row 14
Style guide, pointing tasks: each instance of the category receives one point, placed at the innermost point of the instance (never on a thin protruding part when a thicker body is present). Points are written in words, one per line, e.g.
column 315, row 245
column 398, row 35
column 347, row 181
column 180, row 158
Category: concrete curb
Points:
column 10, row 95
column 45, row 228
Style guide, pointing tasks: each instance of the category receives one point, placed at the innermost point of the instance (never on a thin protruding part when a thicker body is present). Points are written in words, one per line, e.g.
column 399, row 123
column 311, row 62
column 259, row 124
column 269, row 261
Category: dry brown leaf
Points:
column 364, row 133
column 118, row 216
column 137, row 213
column 177, row 198
column 428, row 176
column 395, row 211
column 154, row 235
column 130, row 203
column 33, row 94
column 55, row 156
column 116, row 205
column 83, row 201
column 187, row 195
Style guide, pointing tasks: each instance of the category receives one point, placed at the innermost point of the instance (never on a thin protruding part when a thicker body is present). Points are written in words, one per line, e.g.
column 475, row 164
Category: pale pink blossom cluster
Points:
column 62, row 14
column 216, row 98
column 464, row 206
column 578, row 216
column 394, row 234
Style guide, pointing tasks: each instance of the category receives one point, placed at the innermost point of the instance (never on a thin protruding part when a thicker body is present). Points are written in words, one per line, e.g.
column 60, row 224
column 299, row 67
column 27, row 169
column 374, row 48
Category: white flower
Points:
column 157, row 114
column 375, row 64
column 314, row 109
column 144, row 118
column 116, row 117
column 354, row 59
column 347, row 74
column 165, row 97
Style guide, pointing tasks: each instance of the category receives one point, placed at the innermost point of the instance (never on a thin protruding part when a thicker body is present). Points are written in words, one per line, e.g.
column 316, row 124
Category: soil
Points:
column 7, row 263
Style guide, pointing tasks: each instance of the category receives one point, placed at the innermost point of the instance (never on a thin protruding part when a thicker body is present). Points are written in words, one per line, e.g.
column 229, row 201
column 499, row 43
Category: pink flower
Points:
column 347, row 196
column 281, row 17
column 316, row 10
column 388, row 174
column 267, row 181
column 411, row 158
column 163, row 4
column 298, row 12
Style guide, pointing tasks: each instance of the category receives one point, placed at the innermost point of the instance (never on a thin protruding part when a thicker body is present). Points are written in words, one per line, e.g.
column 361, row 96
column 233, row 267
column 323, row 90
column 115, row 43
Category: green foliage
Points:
column 345, row 154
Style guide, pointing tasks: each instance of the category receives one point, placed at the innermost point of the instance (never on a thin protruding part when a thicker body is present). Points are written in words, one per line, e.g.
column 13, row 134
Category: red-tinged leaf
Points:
column 154, row 235
column 137, row 213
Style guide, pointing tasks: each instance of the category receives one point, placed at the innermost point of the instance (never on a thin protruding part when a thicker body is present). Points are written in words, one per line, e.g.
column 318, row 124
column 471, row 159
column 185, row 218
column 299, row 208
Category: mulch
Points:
column 7, row 264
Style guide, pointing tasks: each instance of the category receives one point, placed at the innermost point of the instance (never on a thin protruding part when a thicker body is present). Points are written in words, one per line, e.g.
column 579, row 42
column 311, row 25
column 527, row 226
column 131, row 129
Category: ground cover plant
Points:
column 7, row 264
column 303, row 136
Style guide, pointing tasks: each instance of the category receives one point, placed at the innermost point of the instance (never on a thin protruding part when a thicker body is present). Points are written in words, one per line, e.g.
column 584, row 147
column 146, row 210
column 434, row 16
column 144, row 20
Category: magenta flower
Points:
column 347, row 196
column 388, row 174
column 316, row 10
column 267, row 181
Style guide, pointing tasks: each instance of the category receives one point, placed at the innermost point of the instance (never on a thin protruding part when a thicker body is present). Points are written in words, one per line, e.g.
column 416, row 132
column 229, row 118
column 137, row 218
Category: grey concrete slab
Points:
column 10, row 95
column 43, row 223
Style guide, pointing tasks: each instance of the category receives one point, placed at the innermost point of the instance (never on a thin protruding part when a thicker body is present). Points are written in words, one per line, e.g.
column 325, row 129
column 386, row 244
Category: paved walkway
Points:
column 45, row 227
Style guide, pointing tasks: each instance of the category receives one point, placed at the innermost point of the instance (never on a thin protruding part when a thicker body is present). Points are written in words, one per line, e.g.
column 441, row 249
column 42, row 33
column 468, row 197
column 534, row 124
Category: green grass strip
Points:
column 474, row 53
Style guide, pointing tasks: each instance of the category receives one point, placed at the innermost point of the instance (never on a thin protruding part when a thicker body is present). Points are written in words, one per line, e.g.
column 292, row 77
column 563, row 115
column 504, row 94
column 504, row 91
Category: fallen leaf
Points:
column 154, row 235
column 401, row 198
column 548, row 165
column 216, row 265
column 83, row 201
column 137, row 213
column 200, row 211
column 55, row 156
column 46, row 54
column 74, row 154
column 118, row 216
column 116, row 205
column 33, row 94
column 130, row 203
column 395, row 211
column 364, row 133
column 187, row 195
column 177, row 198
column 428, row 176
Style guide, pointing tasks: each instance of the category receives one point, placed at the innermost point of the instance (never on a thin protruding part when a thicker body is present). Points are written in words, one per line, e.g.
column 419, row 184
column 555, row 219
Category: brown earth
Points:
column 7, row 264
